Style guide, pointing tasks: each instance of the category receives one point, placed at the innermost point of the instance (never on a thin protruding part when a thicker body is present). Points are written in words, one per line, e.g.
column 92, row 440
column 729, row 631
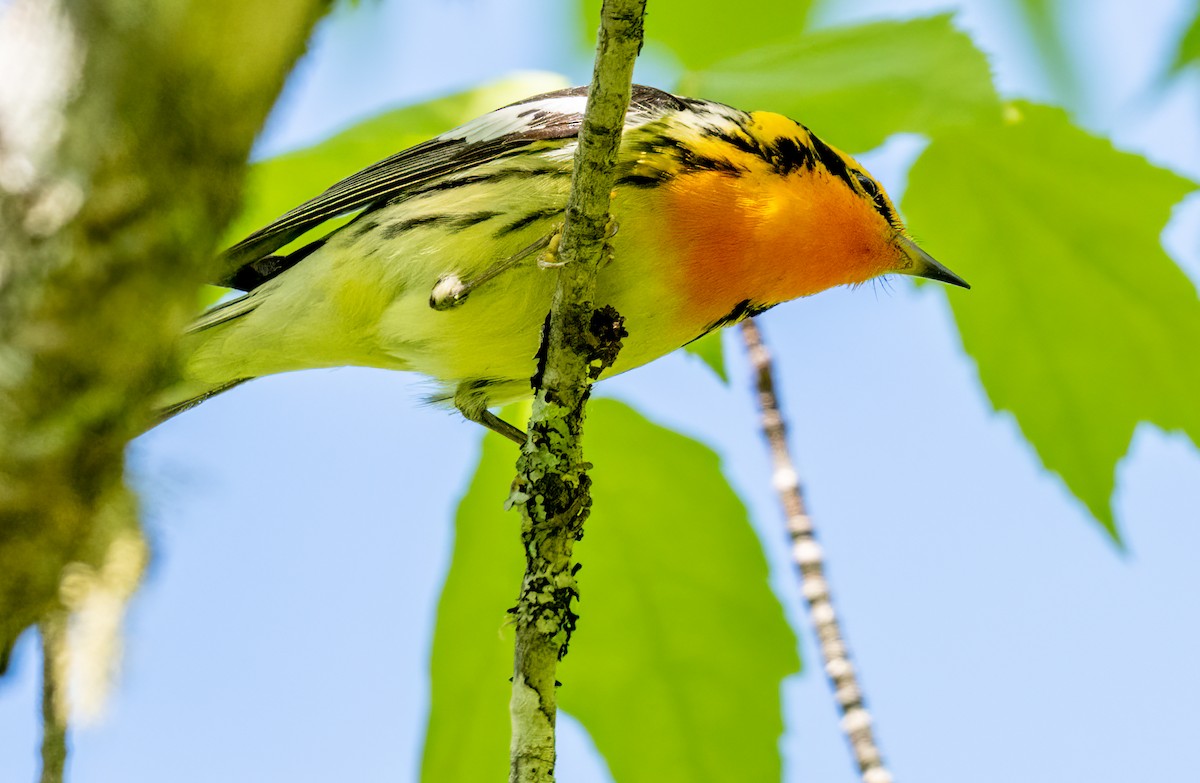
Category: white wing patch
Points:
column 514, row 119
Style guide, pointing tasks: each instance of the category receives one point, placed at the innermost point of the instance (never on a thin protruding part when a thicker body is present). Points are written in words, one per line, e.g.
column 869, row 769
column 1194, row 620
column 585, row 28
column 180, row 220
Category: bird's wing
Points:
column 554, row 115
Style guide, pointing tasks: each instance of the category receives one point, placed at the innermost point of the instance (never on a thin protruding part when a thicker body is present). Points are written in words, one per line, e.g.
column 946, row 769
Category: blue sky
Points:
column 301, row 524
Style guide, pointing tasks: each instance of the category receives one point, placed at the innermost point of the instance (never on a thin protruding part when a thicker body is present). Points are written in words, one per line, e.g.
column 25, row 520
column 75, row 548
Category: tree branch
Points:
column 124, row 134
column 54, row 702
column 580, row 342
column 806, row 552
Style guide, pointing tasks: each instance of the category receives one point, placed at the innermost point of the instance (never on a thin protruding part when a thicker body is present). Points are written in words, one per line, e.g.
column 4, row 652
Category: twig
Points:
column 552, row 485
column 806, row 553
column 53, row 629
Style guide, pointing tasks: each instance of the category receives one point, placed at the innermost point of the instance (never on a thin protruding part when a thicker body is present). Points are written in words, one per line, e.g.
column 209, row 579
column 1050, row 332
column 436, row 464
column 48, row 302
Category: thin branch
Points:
column 54, row 698
column 806, row 553
column 552, row 485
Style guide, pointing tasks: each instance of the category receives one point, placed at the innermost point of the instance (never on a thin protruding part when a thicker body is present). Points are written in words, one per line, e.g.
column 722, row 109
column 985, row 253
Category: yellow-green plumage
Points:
column 719, row 214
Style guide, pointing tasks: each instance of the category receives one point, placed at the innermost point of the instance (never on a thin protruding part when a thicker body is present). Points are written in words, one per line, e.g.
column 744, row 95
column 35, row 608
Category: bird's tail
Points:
column 191, row 391
column 187, row 395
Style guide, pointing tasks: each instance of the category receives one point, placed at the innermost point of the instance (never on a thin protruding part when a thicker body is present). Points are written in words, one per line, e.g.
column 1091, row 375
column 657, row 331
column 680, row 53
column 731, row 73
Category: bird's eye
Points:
column 868, row 184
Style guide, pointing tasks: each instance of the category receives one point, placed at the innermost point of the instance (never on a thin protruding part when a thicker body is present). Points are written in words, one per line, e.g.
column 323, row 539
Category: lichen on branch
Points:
column 579, row 343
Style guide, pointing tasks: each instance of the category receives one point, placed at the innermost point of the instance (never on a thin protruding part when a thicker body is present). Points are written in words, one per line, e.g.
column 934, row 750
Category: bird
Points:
column 447, row 266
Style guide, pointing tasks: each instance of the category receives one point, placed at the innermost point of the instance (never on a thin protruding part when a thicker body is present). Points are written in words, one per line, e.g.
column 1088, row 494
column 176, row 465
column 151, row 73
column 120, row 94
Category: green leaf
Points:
column 709, row 350
column 276, row 185
column 466, row 738
column 675, row 668
column 699, row 32
column 1080, row 323
column 856, row 86
column 1188, row 52
column 678, row 620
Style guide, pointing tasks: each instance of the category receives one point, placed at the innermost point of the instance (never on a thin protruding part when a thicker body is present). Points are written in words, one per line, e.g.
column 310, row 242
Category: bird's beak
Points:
column 924, row 265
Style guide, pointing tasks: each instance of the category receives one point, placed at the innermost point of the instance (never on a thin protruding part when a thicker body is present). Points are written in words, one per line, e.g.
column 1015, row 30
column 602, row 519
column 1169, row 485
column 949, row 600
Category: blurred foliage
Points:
column 680, row 621
column 708, row 350
column 1188, row 53
column 856, row 86
column 1081, row 324
column 699, row 32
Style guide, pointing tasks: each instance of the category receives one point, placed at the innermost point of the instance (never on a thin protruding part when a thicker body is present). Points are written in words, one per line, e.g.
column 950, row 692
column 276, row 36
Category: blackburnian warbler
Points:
column 718, row 214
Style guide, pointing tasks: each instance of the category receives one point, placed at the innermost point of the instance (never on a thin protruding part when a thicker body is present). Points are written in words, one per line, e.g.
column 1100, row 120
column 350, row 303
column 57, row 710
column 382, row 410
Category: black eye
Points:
column 881, row 203
column 868, row 184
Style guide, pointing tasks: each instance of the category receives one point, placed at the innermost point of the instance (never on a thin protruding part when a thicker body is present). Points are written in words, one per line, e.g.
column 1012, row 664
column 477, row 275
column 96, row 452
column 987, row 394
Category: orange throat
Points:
column 768, row 238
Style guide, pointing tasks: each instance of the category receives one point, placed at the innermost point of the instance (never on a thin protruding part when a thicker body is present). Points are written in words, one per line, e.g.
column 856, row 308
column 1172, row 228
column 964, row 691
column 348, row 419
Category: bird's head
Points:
column 763, row 211
column 866, row 235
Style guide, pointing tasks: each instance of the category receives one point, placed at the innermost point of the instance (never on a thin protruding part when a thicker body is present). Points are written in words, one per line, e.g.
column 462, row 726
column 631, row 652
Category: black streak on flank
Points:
column 743, row 309
column 466, row 220
column 359, row 229
column 473, row 219
column 527, row 220
column 393, row 230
